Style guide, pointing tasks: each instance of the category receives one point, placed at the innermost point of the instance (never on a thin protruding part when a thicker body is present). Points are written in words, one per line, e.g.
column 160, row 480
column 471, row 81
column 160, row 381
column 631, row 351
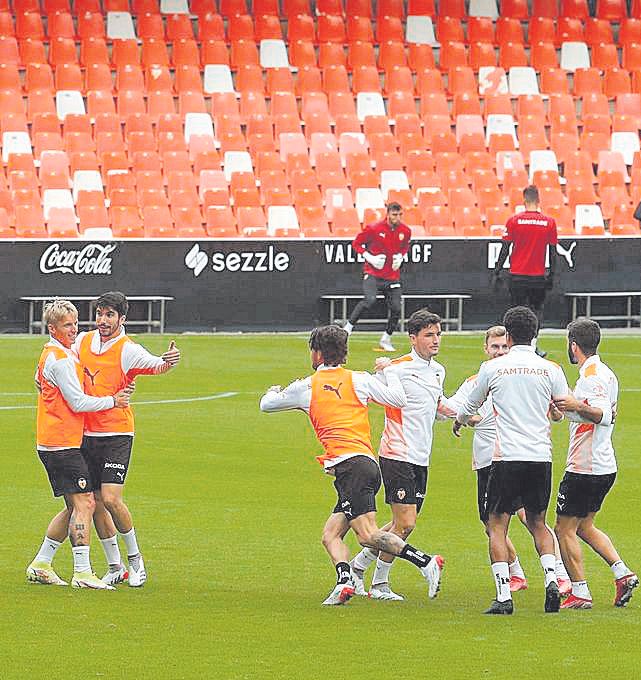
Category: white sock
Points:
column 131, row 543
column 619, row 569
column 348, row 327
column 386, row 337
column 548, row 562
column 533, row 342
column 47, row 550
column 381, row 573
column 501, row 573
column 561, row 571
column 364, row 558
column 580, row 589
column 112, row 551
column 81, row 561
column 516, row 569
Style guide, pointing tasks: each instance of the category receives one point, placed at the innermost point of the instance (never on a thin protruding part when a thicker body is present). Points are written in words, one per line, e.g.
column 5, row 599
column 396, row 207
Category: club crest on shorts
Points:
column 82, row 482
column 400, row 494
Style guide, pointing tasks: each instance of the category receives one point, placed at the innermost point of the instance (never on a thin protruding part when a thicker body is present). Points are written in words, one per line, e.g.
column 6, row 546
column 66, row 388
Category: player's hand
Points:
column 555, row 413
column 172, row 355
column 130, row 387
column 397, row 261
column 38, row 385
column 122, row 398
column 567, row 403
column 456, row 428
column 377, row 261
column 382, row 363
column 474, row 420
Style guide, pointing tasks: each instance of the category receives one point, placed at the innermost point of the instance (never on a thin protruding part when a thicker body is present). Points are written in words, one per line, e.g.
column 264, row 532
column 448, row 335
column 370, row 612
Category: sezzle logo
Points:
column 268, row 260
column 117, row 466
column 91, row 259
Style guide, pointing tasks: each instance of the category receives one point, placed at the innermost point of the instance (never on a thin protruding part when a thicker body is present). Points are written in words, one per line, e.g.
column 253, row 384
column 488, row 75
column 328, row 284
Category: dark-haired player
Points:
column 591, row 467
column 336, row 400
column 383, row 244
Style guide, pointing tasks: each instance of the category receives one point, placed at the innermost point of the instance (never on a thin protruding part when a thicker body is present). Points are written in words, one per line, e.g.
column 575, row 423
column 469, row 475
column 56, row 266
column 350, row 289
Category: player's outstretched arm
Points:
column 297, row 395
column 388, row 393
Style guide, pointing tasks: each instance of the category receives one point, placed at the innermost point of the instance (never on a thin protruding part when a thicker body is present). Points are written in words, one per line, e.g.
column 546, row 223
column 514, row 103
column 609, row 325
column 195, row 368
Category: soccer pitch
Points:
column 229, row 504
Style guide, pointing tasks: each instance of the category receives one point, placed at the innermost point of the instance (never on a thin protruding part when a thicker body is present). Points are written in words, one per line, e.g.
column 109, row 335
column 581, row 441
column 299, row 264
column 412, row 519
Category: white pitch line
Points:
column 211, row 397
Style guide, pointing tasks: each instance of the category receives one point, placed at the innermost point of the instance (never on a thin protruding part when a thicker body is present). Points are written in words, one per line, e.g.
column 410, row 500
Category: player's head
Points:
column 394, row 213
column 521, row 325
column 328, row 345
column 584, row 336
column 111, row 313
column 496, row 342
column 61, row 318
column 424, row 329
column 531, row 196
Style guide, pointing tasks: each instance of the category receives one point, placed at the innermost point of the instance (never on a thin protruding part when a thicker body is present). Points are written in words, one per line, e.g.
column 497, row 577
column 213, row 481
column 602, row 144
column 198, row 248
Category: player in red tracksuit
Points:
column 532, row 236
column 383, row 245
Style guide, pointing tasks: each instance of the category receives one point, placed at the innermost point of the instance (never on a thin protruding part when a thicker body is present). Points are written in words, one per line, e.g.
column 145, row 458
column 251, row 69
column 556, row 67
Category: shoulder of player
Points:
column 401, row 360
column 471, row 379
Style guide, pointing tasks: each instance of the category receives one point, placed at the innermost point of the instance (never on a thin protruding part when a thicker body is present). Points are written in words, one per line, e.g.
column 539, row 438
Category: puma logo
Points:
column 92, row 376
column 567, row 254
column 121, row 475
column 330, row 388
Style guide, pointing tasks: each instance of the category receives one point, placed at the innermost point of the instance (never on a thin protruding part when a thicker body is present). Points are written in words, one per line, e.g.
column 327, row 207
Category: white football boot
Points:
column 112, row 578
column 385, row 343
column 137, row 577
column 432, row 573
column 341, row 594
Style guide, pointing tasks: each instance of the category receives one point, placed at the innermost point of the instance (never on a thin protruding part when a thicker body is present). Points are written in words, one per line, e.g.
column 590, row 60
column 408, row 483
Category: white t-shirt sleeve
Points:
column 136, row 358
column 597, row 391
column 477, row 395
column 62, row 374
column 296, row 395
column 372, row 388
column 451, row 405
column 560, row 386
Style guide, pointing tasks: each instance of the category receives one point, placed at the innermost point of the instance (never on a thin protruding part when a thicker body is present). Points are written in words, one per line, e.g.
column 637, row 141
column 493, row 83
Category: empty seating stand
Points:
column 181, row 118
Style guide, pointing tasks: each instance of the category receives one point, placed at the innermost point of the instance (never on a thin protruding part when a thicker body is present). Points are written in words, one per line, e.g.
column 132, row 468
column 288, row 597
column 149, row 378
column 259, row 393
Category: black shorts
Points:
column 482, row 476
column 405, row 483
column 67, row 470
column 581, row 494
column 357, row 482
column 108, row 458
column 519, row 484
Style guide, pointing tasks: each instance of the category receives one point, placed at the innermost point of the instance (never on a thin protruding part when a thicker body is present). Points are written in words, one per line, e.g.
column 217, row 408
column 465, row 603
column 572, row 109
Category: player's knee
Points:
column 111, row 502
column 395, row 308
column 84, row 503
column 370, row 301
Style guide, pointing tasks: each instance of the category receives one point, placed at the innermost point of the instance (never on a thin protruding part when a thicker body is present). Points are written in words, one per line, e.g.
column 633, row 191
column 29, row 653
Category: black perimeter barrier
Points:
column 277, row 285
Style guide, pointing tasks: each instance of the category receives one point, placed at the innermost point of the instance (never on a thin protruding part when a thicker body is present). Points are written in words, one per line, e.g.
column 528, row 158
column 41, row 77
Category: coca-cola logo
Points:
column 91, row 259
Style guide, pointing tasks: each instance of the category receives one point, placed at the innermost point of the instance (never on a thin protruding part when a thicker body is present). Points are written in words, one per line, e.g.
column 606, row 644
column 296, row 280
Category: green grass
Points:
column 229, row 503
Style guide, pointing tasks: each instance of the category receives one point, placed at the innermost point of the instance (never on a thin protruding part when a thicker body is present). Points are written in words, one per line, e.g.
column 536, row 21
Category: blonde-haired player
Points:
column 59, row 429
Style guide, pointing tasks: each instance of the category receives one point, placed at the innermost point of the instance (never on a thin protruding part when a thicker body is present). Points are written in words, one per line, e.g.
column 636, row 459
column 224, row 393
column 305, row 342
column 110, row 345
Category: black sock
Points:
column 343, row 572
column 415, row 556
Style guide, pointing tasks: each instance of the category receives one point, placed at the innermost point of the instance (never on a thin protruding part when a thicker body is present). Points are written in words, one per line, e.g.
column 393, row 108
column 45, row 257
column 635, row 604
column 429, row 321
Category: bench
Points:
column 37, row 303
column 628, row 317
column 449, row 318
